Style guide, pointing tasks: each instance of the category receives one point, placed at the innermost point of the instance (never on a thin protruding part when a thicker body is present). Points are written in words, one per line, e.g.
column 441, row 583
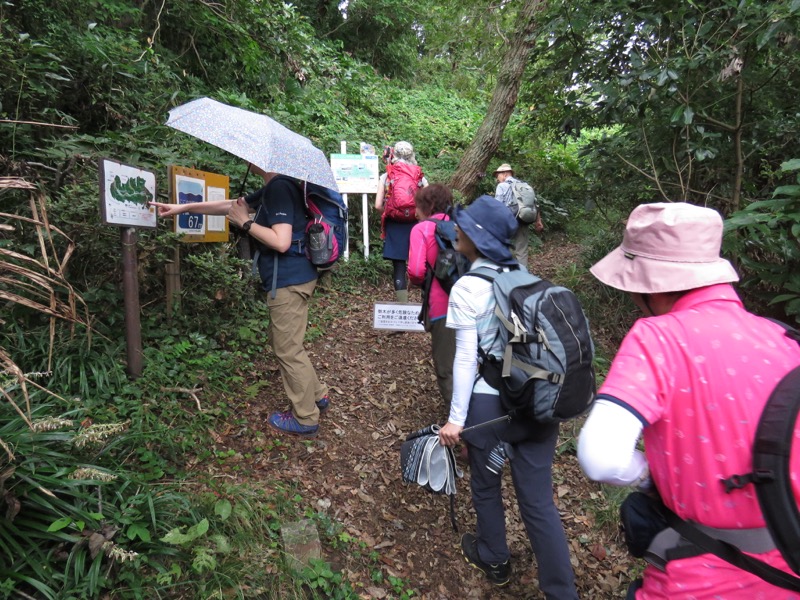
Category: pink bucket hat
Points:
column 667, row 247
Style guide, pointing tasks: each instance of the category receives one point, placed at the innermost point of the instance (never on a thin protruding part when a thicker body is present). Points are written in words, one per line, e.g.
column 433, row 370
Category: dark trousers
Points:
column 634, row 587
column 533, row 483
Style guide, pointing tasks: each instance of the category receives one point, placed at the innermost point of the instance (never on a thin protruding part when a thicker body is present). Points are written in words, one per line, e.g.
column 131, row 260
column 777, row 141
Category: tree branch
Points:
column 191, row 392
column 152, row 39
column 38, row 124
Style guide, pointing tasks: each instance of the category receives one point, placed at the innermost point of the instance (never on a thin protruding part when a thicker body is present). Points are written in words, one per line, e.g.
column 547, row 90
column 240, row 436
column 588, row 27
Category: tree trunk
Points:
column 737, row 144
column 504, row 98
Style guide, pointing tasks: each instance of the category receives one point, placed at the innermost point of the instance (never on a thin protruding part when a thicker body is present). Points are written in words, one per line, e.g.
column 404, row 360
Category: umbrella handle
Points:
column 244, row 181
column 487, row 423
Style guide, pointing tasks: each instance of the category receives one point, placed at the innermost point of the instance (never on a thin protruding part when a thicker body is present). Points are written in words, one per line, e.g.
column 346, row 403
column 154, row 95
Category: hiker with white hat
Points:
column 504, row 193
column 692, row 378
column 395, row 202
column 484, row 236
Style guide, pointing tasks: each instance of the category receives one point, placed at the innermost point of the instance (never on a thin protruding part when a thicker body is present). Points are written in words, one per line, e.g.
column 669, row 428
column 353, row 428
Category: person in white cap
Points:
column 692, row 377
column 504, row 193
column 395, row 202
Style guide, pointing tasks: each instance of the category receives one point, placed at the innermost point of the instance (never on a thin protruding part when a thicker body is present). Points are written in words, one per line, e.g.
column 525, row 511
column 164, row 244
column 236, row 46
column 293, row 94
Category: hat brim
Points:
column 488, row 245
column 642, row 275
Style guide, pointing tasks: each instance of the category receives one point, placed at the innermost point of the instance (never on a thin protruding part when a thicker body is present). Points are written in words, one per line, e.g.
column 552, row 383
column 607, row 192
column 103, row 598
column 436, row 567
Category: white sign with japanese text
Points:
column 397, row 316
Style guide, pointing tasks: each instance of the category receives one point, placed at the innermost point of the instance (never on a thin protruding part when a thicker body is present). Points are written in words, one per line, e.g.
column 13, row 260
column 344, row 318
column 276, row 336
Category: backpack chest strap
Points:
column 533, row 372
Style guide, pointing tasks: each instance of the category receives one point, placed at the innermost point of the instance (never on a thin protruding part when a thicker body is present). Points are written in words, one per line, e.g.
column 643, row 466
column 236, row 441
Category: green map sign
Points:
column 355, row 173
column 125, row 192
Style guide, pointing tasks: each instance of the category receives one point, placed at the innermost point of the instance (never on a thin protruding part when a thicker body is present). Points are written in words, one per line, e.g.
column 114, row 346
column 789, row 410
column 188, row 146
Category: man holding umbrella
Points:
column 289, row 279
column 277, row 226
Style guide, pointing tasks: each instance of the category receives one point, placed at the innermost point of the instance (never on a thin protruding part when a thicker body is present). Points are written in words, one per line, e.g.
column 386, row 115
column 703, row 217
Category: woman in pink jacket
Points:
column 433, row 202
column 691, row 378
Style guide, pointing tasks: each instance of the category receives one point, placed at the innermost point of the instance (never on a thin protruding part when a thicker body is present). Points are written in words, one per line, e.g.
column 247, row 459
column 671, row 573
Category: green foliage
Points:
column 699, row 112
column 351, row 275
column 764, row 236
column 63, row 502
column 326, row 583
column 663, row 77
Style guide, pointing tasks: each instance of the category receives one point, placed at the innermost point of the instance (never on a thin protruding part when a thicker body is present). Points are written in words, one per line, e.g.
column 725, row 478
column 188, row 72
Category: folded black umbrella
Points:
column 424, row 461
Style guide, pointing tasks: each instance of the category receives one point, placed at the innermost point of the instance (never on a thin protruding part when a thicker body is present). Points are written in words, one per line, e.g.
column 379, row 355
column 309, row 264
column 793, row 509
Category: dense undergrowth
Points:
column 107, row 482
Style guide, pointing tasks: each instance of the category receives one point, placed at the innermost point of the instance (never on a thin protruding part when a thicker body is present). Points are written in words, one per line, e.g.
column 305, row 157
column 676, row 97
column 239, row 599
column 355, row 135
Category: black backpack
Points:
column 450, row 264
column 542, row 361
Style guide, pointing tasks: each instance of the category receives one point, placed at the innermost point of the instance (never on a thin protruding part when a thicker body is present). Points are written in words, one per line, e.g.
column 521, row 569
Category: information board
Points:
column 125, row 192
column 191, row 185
column 356, row 173
column 397, row 316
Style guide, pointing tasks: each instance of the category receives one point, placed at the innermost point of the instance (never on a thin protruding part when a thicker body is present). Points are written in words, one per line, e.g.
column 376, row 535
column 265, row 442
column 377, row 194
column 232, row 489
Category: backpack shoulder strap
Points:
column 771, row 464
column 730, row 553
column 486, row 273
column 771, row 467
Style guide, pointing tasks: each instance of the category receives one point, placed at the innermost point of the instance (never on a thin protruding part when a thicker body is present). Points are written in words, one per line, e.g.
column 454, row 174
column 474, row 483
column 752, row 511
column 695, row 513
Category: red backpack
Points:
column 402, row 182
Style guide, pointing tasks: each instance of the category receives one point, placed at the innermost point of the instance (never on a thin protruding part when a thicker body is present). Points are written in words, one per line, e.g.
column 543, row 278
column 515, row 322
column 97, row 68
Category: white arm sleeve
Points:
column 607, row 446
column 465, row 366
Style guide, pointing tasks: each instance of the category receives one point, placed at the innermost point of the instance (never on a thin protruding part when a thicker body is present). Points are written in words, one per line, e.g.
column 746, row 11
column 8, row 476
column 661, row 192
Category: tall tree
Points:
column 483, row 146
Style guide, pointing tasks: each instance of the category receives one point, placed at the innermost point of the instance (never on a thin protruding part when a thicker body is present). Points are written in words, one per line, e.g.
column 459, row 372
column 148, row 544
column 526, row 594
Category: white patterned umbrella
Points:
column 256, row 138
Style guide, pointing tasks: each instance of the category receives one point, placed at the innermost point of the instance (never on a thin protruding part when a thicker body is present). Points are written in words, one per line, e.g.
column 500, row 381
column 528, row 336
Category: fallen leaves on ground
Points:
column 382, row 387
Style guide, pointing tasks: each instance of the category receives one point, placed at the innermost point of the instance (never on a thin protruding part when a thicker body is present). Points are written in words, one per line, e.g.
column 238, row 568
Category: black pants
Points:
column 633, row 588
column 399, row 270
column 531, row 473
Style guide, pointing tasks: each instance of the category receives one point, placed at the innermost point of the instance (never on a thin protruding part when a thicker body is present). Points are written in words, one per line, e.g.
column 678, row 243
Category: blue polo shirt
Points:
column 281, row 201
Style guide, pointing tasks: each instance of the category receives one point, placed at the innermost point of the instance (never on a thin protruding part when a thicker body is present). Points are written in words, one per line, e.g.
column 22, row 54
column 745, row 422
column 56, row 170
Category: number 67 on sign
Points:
column 191, row 185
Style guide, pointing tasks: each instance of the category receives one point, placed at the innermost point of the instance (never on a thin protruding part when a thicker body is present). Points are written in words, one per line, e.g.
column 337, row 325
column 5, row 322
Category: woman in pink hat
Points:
column 692, row 378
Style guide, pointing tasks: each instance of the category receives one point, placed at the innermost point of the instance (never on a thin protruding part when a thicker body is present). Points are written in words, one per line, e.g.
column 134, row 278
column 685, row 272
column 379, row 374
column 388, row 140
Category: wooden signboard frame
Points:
column 210, row 187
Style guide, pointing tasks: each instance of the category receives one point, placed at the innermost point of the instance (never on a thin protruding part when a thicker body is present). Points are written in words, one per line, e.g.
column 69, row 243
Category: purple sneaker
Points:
column 323, row 404
column 286, row 422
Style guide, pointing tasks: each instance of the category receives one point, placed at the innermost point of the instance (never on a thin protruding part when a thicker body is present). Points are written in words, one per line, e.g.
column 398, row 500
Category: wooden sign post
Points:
column 125, row 192
column 185, row 186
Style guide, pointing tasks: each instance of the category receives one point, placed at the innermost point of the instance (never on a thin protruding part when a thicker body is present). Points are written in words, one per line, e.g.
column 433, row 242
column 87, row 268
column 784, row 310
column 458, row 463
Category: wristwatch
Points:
column 247, row 225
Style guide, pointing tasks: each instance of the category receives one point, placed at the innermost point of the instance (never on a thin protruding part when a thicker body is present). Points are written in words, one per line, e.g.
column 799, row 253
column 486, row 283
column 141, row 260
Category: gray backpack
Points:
column 527, row 209
column 542, row 360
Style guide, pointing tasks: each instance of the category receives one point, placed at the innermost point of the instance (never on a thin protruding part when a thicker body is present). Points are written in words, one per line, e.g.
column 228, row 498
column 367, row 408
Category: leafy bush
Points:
column 60, row 539
column 764, row 236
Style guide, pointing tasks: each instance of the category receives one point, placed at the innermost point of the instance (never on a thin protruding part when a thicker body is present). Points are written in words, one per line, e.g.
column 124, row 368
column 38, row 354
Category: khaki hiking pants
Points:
column 520, row 244
column 288, row 320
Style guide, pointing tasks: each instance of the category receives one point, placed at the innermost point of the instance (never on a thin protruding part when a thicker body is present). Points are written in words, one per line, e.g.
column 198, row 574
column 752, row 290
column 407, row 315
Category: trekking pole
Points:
column 505, row 418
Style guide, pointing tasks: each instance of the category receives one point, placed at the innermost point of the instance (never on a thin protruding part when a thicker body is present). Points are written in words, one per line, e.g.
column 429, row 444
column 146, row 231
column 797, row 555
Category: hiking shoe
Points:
column 498, row 574
column 286, row 422
column 323, row 404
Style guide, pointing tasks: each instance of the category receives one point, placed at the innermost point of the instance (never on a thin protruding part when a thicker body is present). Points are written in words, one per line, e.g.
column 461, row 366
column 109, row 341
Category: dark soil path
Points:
column 382, row 388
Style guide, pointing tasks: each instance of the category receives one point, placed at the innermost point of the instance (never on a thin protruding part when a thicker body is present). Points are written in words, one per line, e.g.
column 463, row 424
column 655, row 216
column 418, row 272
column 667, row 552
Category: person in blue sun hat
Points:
column 484, row 236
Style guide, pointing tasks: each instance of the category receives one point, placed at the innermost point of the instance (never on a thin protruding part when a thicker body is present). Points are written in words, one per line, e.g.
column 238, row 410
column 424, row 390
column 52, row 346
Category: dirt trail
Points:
column 382, row 388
